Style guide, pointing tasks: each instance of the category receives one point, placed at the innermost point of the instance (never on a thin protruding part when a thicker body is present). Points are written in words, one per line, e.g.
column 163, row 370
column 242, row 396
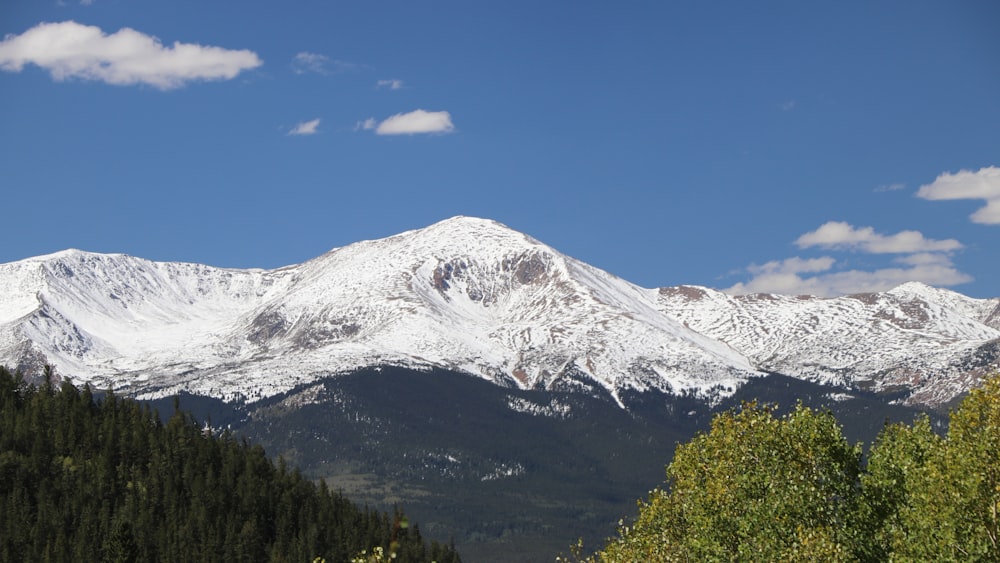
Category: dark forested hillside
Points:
column 510, row 474
column 83, row 479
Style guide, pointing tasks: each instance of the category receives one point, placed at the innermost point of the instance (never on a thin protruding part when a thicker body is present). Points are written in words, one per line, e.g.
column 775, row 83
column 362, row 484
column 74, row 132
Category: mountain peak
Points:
column 473, row 227
column 67, row 254
column 471, row 221
column 920, row 289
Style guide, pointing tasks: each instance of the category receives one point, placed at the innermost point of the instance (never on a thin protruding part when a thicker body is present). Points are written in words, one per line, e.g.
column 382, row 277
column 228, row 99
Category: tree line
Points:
column 104, row 479
column 759, row 486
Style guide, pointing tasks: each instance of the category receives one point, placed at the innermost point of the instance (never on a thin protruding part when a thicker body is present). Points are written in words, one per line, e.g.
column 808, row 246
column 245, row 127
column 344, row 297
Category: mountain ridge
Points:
column 471, row 295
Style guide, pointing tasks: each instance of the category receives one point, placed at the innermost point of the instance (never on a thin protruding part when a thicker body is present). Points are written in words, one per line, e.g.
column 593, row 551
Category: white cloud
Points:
column 390, row 84
column 932, row 269
column 781, row 276
column 72, row 50
column 309, row 62
column 840, row 235
column 414, row 122
column 983, row 184
column 320, row 64
column 779, row 283
column 366, row 125
column 793, row 266
column 306, row 128
column 924, row 260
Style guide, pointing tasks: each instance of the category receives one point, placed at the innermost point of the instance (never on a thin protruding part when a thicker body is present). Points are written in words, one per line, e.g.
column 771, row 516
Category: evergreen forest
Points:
column 104, row 479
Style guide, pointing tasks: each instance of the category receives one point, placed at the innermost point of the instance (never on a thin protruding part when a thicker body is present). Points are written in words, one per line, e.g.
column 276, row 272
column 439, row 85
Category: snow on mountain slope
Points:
column 97, row 316
column 471, row 295
column 932, row 341
column 466, row 294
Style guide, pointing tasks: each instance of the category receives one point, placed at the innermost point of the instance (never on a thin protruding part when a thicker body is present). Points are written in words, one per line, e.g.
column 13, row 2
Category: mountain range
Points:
column 507, row 396
column 473, row 296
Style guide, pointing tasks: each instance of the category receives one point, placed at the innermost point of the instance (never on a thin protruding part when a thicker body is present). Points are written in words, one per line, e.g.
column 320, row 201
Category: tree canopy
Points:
column 763, row 487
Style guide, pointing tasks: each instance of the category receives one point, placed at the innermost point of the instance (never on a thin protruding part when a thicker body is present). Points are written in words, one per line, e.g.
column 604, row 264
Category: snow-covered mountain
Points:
column 474, row 296
column 933, row 342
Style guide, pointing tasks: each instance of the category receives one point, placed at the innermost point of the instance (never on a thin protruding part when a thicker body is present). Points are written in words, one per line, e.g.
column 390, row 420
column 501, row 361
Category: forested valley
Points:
column 105, row 479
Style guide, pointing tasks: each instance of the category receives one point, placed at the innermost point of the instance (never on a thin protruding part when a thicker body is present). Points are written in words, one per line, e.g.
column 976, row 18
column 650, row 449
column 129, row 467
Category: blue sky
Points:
column 795, row 147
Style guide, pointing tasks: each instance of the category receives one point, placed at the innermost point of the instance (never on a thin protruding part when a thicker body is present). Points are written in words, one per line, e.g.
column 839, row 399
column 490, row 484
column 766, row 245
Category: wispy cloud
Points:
column 390, row 84
column 321, row 64
column 840, row 235
column 306, row 128
column 412, row 123
column 72, row 50
column 793, row 266
column 366, row 125
column 788, row 105
column 983, row 184
column 920, row 259
column 310, row 62
column 890, row 187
